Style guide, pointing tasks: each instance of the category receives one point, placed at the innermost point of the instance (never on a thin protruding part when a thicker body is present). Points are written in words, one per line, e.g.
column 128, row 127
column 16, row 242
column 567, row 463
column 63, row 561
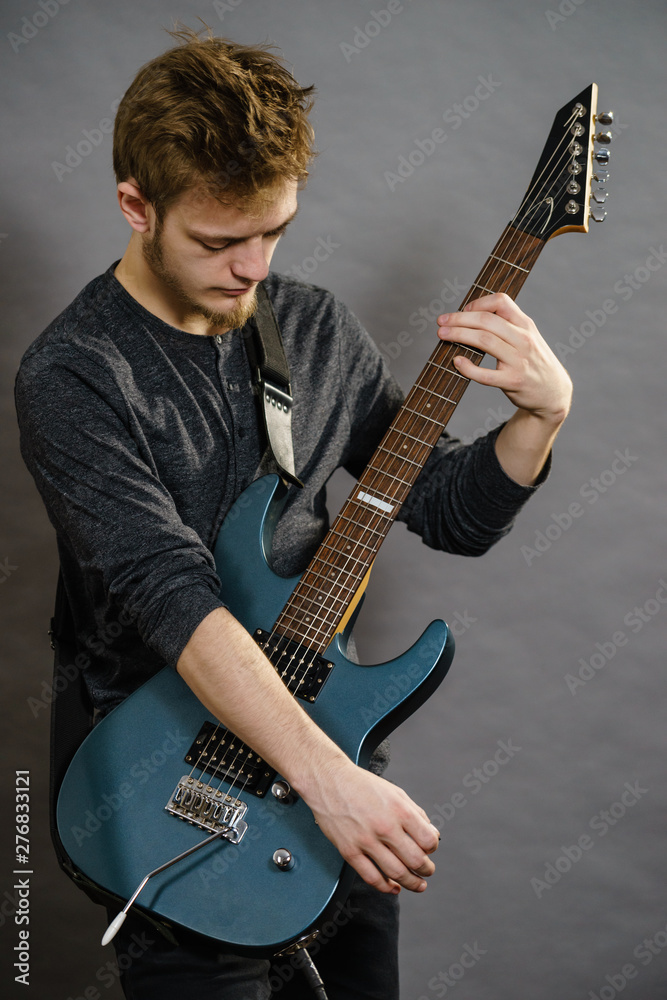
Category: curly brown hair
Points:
column 215, row 114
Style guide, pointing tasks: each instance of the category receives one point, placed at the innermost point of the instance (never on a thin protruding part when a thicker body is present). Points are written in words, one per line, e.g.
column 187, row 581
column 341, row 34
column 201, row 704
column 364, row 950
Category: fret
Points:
column 379, row 503
column 432, row 392
column 422, row 416
column 401, row 458
column 391, row 475
column 495, row 257
column 312, row 606
column 332, row 573
column 425, row 444
column 325, row 592
column 341, row 534
column 352, row 546
column 311, row 611
column 291, row 625
column 344, row 555
column 455, row 349
column 307, row 616
column 366, row 527
column 370, row 503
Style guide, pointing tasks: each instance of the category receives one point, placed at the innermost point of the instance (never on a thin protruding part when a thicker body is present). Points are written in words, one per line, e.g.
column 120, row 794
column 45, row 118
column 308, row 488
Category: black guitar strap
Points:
column 72, row 715
column 271, row 383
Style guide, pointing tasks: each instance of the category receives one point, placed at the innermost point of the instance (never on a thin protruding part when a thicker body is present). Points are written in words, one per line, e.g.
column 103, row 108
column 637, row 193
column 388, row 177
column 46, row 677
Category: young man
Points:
column 139, row 426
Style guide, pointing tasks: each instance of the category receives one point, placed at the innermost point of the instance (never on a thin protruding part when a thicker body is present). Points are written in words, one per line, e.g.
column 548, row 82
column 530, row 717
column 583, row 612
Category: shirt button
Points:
column 218, row 338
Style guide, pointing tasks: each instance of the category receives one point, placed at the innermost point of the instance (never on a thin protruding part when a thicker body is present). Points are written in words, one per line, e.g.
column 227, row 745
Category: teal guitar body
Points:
column 112, row 816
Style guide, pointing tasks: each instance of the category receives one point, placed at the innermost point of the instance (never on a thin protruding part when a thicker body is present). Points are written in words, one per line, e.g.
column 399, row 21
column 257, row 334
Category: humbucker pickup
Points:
column 301, row 669
column 220, row 754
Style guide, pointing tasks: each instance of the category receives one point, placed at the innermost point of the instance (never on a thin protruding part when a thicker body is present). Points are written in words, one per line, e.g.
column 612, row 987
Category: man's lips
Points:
column 232, row 291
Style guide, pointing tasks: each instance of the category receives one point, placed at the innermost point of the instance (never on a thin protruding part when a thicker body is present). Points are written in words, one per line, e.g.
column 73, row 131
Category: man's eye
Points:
column 213, row 249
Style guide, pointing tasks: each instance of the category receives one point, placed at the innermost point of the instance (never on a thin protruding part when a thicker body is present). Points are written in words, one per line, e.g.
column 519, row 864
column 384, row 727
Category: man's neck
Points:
column 150, row 292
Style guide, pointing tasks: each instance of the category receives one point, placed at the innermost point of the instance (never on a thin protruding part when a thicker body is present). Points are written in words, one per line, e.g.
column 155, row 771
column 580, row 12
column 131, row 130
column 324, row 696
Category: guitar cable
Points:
column 313, row 978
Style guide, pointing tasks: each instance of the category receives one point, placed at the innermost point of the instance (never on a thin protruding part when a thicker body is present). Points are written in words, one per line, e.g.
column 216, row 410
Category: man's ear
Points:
column 135, row 207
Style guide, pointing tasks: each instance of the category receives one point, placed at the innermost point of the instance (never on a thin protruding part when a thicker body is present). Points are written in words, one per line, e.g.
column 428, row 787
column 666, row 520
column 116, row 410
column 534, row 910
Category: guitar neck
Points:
column 327, row 589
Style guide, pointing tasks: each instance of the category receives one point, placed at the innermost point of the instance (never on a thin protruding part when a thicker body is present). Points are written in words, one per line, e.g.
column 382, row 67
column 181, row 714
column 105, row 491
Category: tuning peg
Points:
column 604, row 137
column 605, row 118
column 601, row 176
column 600, row 217
column 599, row 197
column 602, row 157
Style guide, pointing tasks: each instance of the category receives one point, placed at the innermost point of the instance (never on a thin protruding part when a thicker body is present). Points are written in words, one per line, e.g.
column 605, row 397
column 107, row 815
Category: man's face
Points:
column 209, row 257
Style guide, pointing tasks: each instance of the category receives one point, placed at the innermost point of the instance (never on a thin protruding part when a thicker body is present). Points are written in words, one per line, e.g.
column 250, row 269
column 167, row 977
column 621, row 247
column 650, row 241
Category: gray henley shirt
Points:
column 140, row 436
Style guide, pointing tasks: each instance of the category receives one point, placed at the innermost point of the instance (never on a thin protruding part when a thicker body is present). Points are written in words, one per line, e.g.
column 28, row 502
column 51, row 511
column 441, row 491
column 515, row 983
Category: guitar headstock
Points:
column 570, row 174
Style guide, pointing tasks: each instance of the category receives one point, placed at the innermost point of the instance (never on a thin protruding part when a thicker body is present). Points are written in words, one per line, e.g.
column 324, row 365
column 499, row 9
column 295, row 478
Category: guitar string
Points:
column 376, row 524
column 488, row 275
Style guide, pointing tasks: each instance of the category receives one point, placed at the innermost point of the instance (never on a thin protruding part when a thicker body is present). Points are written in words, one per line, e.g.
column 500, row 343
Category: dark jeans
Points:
column 356, row 955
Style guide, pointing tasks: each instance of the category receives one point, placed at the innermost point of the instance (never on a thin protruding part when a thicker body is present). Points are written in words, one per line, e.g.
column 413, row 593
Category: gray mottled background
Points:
column 525, row 619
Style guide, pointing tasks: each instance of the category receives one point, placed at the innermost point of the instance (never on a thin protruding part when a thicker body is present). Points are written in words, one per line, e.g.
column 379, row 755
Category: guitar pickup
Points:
column 218, row 752
column 302, row 670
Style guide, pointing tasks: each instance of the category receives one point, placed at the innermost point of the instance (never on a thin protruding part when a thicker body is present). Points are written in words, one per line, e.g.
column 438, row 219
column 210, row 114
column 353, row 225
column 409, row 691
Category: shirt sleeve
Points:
column 464, row 501
column 107, row 503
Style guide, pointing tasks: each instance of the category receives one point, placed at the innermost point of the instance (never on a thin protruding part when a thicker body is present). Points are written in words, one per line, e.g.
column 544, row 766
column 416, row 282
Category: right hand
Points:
column 378, row 829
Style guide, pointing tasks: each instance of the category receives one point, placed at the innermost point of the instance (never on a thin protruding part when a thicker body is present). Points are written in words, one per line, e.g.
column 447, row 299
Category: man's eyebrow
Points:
column 220, row 238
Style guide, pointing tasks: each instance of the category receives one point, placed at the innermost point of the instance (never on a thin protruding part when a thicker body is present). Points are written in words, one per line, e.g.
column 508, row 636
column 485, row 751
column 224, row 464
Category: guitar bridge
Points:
column 208, row 808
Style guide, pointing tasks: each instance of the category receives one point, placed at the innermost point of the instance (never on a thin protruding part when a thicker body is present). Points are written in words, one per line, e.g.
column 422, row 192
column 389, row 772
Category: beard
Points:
column 232, row 319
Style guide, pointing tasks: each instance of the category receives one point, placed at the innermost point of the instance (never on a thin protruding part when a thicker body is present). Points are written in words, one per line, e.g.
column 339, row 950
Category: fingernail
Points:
column 444, row 318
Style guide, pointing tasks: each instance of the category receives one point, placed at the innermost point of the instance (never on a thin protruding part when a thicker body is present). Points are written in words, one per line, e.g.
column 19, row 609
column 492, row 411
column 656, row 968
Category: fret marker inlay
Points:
column 381, row 504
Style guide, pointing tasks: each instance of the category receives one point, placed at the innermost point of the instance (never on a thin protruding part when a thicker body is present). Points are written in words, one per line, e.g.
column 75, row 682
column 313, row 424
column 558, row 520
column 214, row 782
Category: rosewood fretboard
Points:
column 329, row 585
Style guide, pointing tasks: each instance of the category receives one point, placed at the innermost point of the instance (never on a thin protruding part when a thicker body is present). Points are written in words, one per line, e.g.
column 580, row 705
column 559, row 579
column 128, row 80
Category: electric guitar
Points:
column 160, row 778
